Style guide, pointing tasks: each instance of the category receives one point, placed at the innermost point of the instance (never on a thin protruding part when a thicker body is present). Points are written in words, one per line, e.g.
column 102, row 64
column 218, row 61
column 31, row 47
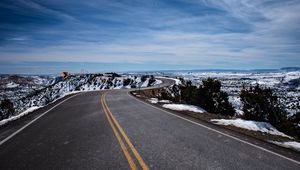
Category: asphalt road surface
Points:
column 113, row 130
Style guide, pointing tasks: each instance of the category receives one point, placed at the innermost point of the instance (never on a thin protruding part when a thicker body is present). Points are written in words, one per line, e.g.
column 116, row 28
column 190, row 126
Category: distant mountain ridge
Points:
column 158, row 72
column 290, row 68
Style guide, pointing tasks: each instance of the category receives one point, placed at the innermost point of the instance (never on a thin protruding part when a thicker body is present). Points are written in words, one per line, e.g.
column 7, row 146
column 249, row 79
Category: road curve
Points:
column 113, row 130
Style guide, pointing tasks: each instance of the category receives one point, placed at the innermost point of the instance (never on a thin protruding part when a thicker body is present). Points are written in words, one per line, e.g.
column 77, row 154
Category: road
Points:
column 113, row 130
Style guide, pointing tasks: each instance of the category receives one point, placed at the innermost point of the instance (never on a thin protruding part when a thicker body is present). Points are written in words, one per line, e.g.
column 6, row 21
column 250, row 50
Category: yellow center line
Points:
column 134, row 151
column 123, row 147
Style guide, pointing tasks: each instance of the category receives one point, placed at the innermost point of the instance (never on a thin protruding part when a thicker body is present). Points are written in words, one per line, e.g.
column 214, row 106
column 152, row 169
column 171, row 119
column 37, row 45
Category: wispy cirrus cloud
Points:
column 211, row 34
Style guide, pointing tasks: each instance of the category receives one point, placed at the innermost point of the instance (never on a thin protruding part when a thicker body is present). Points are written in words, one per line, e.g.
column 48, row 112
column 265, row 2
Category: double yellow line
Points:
column 117, row 129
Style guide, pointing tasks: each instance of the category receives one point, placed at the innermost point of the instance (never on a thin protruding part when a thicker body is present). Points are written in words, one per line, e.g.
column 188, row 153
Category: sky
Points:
column 50, row 36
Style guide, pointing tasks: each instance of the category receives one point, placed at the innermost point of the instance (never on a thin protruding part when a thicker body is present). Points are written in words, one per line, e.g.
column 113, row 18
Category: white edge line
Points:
column 240, row 140
column 22, row 128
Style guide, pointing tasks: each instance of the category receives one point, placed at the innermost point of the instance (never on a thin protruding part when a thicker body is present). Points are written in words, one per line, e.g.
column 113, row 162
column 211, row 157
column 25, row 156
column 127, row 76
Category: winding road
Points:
column 113, row 130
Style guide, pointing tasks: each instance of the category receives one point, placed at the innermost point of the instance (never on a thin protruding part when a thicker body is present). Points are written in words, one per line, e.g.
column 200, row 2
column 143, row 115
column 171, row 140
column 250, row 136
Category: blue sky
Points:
column 49, row 36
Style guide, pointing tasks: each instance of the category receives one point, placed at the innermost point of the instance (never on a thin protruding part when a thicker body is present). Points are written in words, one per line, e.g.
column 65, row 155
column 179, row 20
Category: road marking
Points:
column 22, row 128
column 253, row 145
column 123, row 147
column 134, row 151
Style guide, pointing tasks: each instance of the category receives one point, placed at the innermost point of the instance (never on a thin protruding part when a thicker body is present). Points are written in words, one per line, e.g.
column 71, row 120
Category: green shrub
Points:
column 291, row 126
column 295, row 121
column 209, row 97
column 7, row 109
column 133, row 86
column 262, row 105
column 113, row 75
column 126, row 82
column 144, row 78
column 151, row 80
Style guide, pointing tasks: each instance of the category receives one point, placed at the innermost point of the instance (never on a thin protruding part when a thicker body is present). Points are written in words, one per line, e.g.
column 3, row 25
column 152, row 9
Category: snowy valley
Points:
column 284, row 82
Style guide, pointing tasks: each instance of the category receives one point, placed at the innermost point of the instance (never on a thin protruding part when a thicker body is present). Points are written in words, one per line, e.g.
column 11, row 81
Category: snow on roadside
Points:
column 182, row 107
column 33, row 108
column 153, row 100
column 157, row 82
column 250, row 125
column 292, row 145
column 29, row 110
column 74, row 84
column 177, row 81
column 164, row 101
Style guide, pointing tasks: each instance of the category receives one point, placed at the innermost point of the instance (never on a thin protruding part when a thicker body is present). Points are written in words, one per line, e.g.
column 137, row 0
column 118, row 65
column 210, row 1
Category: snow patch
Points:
column 182, row 107
column 145, row 83
column 153, row 100
column 292, row 145
column 12, row 85
column 29, row 110
column 157, row 82
column 250, row 125
column 177, row 81
column 164, row 101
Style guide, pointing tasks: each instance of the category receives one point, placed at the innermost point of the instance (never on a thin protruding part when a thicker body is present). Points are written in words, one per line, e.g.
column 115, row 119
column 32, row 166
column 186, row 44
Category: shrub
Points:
column 209, row 97
column 151, row 80
column 216, row 101
column 77, row 88
column 7, row 109
column 109, row 82
column 113, row 75
column 144, row 78
column 295, row 121
column 133, row 86
column 126, row 82
column 262, row 105
column 212, row 85
column 291, row 126
column 189, row 93
column 222, row 104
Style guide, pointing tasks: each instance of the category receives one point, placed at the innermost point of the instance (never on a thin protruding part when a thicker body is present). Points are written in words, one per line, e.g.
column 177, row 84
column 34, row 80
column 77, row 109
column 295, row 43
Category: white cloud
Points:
column 169, row 35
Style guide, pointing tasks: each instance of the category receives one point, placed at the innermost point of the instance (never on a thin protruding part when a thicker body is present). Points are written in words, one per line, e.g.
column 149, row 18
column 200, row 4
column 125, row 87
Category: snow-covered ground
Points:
column 184, row 107
column 250, row 125
column 165, row 101
column 285, row 83
column 12, row 85
column 15, row 87
column 177, row 81
column 155, row 100
column 31, row 109
column 28, row 92
column 292, row 145
column 157, row 82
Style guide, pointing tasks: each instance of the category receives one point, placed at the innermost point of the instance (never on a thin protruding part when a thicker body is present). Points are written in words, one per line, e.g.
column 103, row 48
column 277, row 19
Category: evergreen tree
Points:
column 291, row 126
column 262, row 105
column 295, row 121
column 126, row 82
column 222, row 104
column 188, row 92
column 144, row 78
column 151, row 80
column 7, row 109
column 209, row 96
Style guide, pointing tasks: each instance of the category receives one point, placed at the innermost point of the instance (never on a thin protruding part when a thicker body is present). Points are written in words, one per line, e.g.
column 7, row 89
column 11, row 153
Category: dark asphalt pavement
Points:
column 77, row 135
